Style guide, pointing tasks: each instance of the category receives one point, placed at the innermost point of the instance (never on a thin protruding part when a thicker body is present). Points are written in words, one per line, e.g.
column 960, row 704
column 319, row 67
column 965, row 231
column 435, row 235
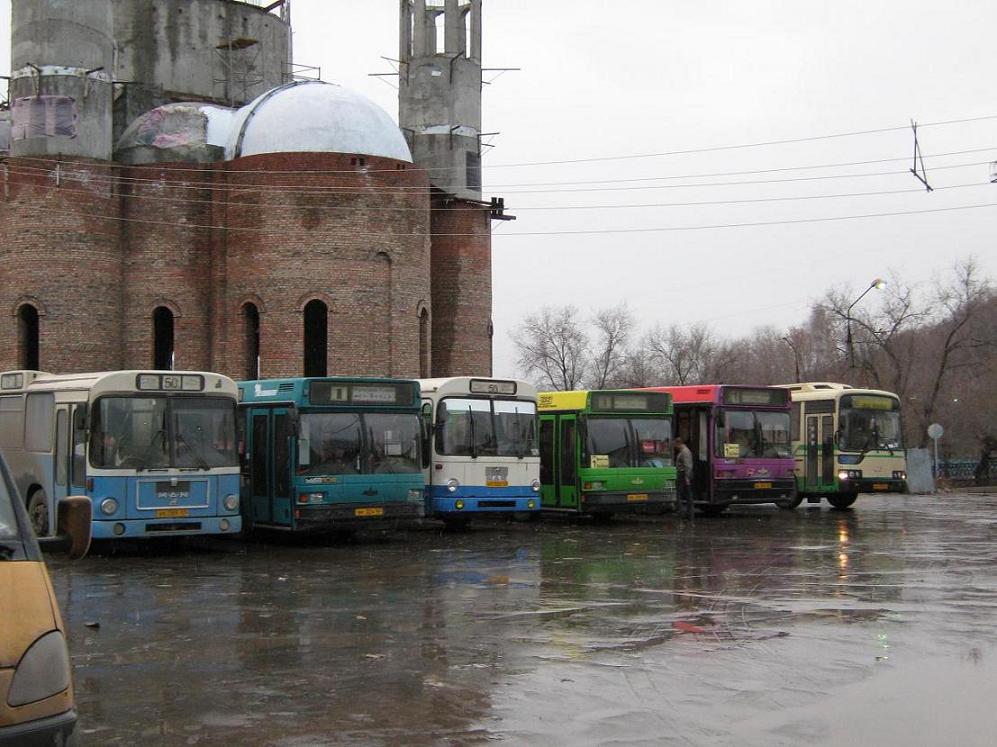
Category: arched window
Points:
column 251, row 341
column 27, row 337
column 316, row 338
column 424, row 360
column 162, row 336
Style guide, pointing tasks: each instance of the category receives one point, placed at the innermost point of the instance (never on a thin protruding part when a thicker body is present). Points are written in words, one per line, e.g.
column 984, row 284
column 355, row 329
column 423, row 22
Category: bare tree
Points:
column 694, row 356
column 552, row 347
column 612, row 330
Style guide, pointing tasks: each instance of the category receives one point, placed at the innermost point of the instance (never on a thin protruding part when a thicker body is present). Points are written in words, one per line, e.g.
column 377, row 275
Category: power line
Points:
column 214, row 201
column 355, row 190
column 285, row 233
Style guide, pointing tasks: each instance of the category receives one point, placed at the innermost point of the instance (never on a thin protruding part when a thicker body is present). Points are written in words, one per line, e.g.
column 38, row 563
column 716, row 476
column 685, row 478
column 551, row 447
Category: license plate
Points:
column 880, row 486
column 368, row 511
column 496, row 483
column 172, row 513
column 762, row 485
column 636, row 497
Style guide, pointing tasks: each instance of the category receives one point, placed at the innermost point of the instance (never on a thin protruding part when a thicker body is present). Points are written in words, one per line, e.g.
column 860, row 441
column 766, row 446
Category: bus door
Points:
column 692, row 426
column 62, row 457
column 567, row 462
column 548, row 489
column 819, row 446
column 271, row 466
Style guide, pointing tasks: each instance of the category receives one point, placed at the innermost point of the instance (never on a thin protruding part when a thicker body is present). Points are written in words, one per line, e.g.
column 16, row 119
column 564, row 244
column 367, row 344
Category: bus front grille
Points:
column 175, row 526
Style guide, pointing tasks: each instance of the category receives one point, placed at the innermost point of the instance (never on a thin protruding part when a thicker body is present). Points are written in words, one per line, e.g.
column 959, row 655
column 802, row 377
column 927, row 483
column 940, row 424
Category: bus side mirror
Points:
column 73, row 533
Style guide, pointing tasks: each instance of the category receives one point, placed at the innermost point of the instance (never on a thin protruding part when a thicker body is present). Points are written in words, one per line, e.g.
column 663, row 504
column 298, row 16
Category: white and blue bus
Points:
column 155, row 451
column 482, row 454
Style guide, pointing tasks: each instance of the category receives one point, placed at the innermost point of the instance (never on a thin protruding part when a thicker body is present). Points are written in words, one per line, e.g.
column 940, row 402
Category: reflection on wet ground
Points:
column 759, row 627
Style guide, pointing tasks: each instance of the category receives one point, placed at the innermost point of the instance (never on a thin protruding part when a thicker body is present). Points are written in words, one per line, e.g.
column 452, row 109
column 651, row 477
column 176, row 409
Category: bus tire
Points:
column 456, row 523
column 38, row 513
column 602, row 517
column 842, row 500
column 790, row 504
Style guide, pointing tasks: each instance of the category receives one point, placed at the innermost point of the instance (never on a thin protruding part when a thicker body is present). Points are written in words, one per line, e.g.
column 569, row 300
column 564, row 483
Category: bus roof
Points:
column 101, row 382
column 629, row 401
column 376, row 391
column 456, row 385
column 821, row 390
column 729, row 394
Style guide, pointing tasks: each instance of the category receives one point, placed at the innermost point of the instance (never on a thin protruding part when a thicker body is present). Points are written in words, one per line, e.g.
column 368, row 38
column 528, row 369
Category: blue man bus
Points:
column 331, row 453
column 155, row 451
column 481, row 454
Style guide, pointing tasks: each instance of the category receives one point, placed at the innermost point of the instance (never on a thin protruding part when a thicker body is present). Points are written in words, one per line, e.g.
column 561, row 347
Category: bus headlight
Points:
column 452, row 484
column 531, row 504
column 899, row 475
column 850, row 474
column 231, row 502
column 458, row 504
column 108, row 506
column 535, row 485
column 42, row 672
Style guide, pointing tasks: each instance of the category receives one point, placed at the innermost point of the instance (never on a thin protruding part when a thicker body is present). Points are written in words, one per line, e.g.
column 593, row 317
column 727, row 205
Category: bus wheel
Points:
column 38, row 513
column 712, row 509
column 456, row 523
column 842, row 500
column 790, row 504
column 602, row 517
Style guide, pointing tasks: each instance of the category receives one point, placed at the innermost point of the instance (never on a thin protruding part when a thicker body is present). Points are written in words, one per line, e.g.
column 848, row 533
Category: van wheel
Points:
column 38, row 513
column 842, row 500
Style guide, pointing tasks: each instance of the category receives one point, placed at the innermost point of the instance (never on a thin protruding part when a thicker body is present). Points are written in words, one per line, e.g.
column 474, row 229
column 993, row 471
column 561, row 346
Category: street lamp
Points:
column 878, row 283
column 796, row 356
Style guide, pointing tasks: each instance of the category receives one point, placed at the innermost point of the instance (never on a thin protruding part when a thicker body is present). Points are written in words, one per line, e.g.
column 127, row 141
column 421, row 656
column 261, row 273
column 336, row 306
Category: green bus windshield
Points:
column 869, row 422
column 627, row 442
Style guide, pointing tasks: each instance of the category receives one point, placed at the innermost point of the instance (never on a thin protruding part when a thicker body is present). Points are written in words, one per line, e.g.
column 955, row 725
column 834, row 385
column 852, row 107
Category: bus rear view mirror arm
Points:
column 73, row 536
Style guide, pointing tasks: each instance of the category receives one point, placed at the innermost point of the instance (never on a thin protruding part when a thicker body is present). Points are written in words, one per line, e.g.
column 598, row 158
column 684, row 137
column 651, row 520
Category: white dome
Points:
column 313, row 116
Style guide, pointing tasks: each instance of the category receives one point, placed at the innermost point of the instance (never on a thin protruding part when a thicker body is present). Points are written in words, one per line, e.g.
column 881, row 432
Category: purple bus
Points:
column 741, row 444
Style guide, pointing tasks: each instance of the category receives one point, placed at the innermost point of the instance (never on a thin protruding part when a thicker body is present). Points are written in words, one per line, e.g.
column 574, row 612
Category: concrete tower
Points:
column 439, row 109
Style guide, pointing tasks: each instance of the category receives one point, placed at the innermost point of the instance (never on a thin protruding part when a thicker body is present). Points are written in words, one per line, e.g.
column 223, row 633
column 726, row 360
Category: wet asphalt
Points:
column 876, row 625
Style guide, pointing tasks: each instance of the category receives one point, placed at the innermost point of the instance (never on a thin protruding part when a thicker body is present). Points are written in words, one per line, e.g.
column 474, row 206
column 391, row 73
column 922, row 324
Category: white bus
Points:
column 155, row 451
column 481, row 454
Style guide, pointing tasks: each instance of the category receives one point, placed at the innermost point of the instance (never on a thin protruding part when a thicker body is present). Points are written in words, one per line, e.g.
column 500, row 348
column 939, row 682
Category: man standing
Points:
column 683, row 465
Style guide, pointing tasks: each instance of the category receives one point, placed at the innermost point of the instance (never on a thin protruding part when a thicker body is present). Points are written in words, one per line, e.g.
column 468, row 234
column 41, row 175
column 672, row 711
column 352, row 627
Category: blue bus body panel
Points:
column 140, row 497
column 480, row 499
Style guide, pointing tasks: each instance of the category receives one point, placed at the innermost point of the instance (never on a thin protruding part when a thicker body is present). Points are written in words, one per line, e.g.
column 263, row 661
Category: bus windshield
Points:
column 627, row 442
column 486, row 427
column 161, row 432
column 344, row 443
column 869, row 422
column 753, row 434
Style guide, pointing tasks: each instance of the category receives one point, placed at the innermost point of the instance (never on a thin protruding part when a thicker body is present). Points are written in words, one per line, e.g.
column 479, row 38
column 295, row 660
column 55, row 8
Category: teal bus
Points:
column 331, row 453
column 606, row 452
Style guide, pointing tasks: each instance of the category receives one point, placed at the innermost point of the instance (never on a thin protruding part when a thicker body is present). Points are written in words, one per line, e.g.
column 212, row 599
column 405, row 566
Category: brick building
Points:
column 171, row 197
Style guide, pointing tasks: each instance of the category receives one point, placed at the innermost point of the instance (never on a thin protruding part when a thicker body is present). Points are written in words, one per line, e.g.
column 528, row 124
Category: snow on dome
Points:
column 176, row 132
column 314, row 116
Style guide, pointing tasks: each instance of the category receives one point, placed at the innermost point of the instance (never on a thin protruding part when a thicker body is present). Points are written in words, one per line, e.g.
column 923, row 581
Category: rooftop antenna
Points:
column 921, row 176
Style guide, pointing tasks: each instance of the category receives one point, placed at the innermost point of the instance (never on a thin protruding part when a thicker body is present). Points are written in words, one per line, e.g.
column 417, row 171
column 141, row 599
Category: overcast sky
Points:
column 621, row 85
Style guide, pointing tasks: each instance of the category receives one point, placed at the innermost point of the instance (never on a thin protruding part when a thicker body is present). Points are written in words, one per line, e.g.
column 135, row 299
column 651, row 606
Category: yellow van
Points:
column 36, row 688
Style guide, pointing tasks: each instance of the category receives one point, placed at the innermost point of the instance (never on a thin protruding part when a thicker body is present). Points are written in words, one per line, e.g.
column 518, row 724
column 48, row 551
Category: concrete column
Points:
column 474, row 44
column 452, row 24
column 420, row 31
column 404, row 30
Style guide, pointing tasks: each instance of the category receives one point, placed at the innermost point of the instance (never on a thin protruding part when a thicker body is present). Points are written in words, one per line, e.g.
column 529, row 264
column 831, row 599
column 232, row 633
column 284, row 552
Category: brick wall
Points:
column 462, row 288
column 60, row 249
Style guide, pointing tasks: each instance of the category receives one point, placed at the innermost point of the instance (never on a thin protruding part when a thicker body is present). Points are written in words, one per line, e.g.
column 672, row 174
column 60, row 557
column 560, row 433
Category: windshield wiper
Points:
column 202, row 463
column 474, row 440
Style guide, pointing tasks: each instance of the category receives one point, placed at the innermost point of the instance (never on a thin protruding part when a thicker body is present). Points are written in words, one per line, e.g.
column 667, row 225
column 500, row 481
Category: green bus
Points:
column 606, row 452
column 331, row 453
